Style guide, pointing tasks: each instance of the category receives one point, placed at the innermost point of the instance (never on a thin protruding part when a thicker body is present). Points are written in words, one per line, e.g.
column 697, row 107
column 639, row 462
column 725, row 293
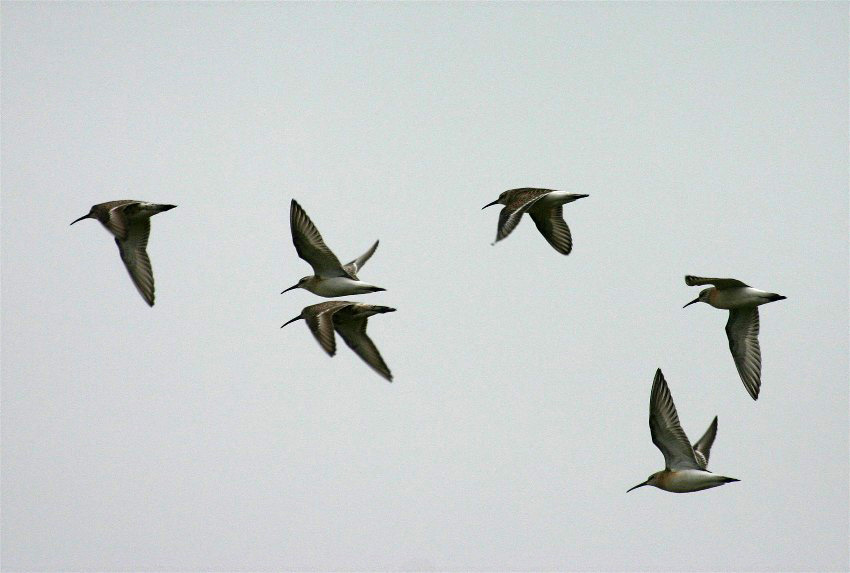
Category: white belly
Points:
column 340, row 286
column 684, row 481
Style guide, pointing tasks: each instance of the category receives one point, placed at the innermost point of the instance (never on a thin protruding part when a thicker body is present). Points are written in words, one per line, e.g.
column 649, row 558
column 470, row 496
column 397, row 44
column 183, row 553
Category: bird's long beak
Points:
column 580, row 196
column 86, row 216
column 637, row 486
column 496, row 202
column 692, row 302
column 290, row 288
column 291, row 321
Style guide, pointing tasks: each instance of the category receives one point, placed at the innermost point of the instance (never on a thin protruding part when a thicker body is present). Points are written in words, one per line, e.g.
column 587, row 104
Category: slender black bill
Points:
column 692, row 302
column 86, row 216
column 290, row 288
column 496, row 202
column 637, row 486
column 291, row 321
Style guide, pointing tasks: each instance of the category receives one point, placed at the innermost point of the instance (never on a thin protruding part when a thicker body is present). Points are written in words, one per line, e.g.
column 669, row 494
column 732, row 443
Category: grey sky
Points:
column 712, row 139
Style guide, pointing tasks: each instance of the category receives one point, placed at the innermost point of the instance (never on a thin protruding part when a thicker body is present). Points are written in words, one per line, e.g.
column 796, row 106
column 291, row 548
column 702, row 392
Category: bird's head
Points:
column 703, row 297
column 651, row 480
column 302, row 283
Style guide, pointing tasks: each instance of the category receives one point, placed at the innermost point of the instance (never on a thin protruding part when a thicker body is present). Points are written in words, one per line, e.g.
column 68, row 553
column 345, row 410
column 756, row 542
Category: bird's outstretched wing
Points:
column 667, row 433
column 353, row 332
column 310, row 246
column 319, row 317
column 117, row 219
column 719, row 283
column 354, row 266
column 133, row 251
column 519, row 201
column 702, row 448
column 551, row 224
column 742, row 329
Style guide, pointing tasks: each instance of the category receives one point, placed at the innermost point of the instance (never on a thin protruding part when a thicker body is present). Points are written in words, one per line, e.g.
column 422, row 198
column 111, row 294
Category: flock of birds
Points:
column 685, row 464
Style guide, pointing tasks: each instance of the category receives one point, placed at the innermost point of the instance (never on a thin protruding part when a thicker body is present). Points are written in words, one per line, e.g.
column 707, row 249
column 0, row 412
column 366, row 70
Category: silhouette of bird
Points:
column 685, row 466
column 330, row 278
column 742, row 328
column 545, row 206
column 349, row 320
column 129, row 222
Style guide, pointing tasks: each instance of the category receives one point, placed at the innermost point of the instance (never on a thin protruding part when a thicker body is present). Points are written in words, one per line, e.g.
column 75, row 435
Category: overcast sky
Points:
column 196, row 435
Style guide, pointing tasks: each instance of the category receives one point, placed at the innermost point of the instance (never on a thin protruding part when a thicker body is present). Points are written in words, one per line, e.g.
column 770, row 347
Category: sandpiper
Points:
column 331, row 278
column 349, row 320
column 742, row 328
column 545, row 208
column 684, row 465
column 129, row 221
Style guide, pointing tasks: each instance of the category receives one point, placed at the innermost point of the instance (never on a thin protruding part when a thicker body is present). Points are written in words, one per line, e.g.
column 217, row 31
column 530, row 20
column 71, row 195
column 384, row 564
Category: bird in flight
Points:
column 349, row 320
column 129, row 221
column 742, row 328
column 545, row 206
column 685, row 465
column 330, row 278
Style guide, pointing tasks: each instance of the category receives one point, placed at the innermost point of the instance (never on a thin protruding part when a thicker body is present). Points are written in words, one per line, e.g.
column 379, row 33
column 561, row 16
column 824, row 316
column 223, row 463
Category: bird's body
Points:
column 544, row 206
column 686, row 481
column 330, row 278
column 686, row 465
column 337, row 286
column 742, row 328
column 349, row 320
column 129, row 222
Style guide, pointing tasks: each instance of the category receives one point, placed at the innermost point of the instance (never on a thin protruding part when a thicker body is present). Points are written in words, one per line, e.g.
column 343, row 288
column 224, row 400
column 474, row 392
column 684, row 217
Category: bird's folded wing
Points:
column 719, row 283
column 667, row 433
column 310, row 246
column 353, row 332
column 742, row 329
column 133, row 251
column 551, row 224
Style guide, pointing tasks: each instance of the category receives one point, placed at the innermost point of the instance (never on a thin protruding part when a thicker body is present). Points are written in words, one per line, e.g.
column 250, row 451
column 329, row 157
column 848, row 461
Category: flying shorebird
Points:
column 684, row 465
column 129, row 221
column 331, row 278
column 742, row 328
column 545, row 208
column 349, row 320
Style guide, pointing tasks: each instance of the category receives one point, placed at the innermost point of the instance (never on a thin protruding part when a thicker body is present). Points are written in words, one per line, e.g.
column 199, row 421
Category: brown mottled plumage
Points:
column 544, row 206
